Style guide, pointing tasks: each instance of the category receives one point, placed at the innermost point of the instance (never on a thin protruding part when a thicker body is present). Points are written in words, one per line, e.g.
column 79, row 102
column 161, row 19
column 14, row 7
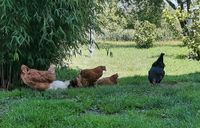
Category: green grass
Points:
column 133, row 103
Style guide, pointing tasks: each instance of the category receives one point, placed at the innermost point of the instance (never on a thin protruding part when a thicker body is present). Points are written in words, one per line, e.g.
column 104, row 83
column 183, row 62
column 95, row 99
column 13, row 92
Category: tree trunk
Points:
column 198, row 55
column 183, row 24
column 188, row 5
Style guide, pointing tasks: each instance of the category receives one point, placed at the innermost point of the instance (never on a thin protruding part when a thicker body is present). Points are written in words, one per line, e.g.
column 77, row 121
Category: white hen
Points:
column 59, row 84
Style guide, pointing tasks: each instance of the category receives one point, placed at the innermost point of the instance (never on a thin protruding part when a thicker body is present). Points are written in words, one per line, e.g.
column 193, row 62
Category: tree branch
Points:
column 188, row 5
column 171, row 4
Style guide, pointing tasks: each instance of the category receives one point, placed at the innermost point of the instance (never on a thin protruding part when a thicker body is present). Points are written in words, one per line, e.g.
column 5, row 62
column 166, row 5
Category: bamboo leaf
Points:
column 16, row 56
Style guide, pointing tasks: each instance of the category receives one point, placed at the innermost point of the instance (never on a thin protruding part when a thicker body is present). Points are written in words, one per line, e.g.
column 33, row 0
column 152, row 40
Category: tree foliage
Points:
column 149, row 10
column 40, row 32
column 111, row 18
column 193, row 38
column 145, row 34
column 182, row 10
column 170, row 17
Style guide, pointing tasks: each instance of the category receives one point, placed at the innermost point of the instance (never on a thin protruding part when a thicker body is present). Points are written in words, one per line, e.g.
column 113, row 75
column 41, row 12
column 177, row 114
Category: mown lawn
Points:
column 133, row 103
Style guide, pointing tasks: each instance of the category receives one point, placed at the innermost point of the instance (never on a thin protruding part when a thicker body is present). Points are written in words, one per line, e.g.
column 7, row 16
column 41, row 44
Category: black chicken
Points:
column 156, row 73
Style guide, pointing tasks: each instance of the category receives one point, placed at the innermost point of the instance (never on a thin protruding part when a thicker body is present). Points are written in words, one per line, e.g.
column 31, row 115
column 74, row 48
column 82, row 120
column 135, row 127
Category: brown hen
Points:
column 37, row 79
column 89, row 76
column 79, row 82
column 108, row 80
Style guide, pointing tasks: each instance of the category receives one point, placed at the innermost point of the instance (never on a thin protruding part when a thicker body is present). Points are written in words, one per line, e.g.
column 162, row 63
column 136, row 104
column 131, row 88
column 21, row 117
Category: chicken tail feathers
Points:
column 67, row 83
column 52, row 68
column 59, row 85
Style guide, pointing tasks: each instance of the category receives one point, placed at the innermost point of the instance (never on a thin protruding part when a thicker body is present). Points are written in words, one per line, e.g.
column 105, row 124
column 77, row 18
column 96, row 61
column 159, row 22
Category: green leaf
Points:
column 16, row 56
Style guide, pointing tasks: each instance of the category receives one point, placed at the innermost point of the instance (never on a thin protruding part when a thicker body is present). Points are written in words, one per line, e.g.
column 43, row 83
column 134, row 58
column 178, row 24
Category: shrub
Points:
column 145, row 34
column 122, row 35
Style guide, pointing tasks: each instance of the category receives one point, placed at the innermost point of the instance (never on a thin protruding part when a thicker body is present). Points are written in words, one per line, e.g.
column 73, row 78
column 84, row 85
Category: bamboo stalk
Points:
column 0, row 78
column 9, row 76
column 2, row 74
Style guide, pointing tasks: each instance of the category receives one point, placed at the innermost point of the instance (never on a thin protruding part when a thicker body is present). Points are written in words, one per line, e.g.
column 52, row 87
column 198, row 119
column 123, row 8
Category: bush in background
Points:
column 122, row 35
column 145, row 34
column 164, row 32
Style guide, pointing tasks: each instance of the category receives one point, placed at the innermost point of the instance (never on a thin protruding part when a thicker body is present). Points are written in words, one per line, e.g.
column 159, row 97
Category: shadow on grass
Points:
column 132, row 93
column 168, row 79
column 66, row 73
